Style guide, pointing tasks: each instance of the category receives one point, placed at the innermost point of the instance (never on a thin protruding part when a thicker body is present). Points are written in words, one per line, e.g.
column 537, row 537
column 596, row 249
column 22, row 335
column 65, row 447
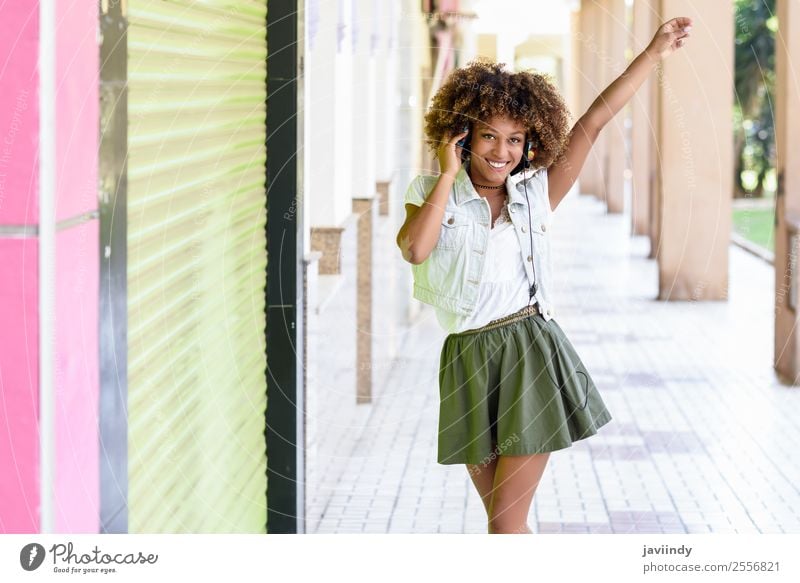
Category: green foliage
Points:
column 754, row 83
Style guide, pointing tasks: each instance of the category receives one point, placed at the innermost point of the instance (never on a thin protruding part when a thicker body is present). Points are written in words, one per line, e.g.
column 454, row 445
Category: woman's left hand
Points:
column 669, row 37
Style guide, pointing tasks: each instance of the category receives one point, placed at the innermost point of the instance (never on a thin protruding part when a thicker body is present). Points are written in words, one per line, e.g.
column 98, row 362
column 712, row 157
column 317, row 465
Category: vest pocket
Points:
column 539, row 223
column 453, row 231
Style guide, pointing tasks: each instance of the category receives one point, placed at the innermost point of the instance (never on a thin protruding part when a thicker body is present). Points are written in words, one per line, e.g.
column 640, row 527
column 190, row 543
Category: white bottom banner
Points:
column 401, row 557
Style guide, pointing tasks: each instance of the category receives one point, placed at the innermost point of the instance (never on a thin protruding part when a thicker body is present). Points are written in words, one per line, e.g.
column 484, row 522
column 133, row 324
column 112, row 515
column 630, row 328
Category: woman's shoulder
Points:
column 420, row 187
column 426, row 181
column 533, row 175
column 534, row 180
column 418, row 190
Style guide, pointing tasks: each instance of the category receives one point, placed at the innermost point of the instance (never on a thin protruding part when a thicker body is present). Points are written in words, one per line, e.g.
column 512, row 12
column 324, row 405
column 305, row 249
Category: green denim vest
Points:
column 449, row 278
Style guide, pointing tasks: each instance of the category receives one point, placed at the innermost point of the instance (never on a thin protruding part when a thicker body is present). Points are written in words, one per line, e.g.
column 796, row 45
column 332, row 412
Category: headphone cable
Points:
column 533, row 287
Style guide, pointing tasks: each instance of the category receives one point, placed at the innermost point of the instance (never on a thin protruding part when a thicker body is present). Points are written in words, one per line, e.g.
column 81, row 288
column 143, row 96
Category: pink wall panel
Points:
column 19, row 325
column 77, row 267
column 19, row 386
column 77, row 78
column 76, row 378
column 19, row 113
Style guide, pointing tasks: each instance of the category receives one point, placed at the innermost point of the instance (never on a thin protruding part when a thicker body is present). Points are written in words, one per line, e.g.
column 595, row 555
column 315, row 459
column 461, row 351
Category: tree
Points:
column 754, row 82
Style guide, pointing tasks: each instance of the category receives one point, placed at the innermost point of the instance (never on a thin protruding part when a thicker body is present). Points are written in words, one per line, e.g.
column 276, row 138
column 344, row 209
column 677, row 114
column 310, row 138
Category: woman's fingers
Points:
column 458, row 136
column 680, row 22
column 678, row 25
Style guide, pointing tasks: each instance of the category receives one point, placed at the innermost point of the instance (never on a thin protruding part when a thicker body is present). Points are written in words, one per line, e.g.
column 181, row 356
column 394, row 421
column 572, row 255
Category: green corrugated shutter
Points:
column 196, row 265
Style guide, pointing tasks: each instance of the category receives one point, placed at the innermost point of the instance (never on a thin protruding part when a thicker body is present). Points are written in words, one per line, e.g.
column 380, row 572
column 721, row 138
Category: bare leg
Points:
column 483, row 477
column 515, row 481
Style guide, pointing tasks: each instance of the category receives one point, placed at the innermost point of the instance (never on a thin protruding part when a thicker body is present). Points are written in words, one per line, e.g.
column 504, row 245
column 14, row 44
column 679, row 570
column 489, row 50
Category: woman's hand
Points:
column 669, row 37
column 450, row 155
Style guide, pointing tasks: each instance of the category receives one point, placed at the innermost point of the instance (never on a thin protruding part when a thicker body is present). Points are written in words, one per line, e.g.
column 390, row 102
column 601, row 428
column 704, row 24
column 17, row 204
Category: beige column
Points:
column 695, row 161
column 655, row 207
column 645, row 22
column 591, row 176
column 615, row 33
column 364, row 187
column 363, row 208
column 787, row 234
column 573, row 64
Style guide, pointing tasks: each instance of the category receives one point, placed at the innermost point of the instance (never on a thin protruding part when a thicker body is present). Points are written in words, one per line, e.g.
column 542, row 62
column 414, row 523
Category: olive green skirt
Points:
column 514, row 387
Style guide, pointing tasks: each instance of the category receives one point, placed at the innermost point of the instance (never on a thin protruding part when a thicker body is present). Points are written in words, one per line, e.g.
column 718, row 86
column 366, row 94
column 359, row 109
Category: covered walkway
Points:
column 704, row 437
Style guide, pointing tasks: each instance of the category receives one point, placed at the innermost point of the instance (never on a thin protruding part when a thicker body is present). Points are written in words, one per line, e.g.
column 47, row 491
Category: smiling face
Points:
column 497, row 145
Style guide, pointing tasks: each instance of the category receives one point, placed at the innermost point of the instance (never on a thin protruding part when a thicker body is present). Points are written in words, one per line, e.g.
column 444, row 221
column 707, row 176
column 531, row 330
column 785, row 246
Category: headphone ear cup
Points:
column 465, row 151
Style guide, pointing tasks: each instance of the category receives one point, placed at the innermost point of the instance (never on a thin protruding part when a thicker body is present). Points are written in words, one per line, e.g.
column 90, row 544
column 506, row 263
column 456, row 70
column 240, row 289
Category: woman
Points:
column 512, row 387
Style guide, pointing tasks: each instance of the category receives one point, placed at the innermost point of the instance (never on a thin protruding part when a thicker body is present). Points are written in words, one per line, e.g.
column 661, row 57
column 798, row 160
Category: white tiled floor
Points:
column 704, row 438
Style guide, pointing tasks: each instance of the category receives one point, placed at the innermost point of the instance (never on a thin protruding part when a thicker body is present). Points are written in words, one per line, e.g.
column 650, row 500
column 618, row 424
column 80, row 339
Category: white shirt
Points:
column 504, row 287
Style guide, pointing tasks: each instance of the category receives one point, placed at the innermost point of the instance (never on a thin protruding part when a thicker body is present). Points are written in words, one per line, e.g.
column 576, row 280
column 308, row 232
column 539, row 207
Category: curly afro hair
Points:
column 484, row 89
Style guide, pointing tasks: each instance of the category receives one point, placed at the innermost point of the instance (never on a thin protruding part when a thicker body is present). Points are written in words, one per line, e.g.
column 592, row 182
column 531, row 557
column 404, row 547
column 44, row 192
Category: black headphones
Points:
column 524, row 164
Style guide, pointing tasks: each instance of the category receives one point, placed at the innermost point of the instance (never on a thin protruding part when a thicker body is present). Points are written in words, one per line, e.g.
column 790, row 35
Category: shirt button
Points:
column 529, row 258
column 544, row 227
column 524, row 230
column 547, row 311
column 450, row 221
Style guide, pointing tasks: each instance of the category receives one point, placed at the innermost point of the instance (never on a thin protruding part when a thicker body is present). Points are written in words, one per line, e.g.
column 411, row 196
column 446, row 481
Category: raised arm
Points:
column 564, row 172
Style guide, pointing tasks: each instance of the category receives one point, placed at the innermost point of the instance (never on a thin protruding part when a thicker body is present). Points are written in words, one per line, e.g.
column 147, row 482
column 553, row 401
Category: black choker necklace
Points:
column 484, row 186
column 492, row 187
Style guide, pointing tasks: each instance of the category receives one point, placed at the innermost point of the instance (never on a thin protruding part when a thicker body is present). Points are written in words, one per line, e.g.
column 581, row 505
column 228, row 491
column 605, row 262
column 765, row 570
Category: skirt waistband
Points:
column 525, row 312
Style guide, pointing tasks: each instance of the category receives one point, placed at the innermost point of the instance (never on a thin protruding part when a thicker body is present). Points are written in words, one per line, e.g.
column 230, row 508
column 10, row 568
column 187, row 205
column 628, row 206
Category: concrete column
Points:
column 467, row 40
column 591, row 176
column 328, row 181
column 655, row 207
column 363, row 167
column 642, row 122
column 787, row 234
column 386, row 105
column 695, row 162
column 615, row 34
column 363, row 208
column 487, row 46
column 343, row 142
column 573, row 65
column 320, row 114
column 362, row 156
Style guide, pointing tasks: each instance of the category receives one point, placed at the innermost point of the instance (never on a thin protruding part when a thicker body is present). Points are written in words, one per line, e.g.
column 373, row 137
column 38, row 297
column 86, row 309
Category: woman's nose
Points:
column 501, row 152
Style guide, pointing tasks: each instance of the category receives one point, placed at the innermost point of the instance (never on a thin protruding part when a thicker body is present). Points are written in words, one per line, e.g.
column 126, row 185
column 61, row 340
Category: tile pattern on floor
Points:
column 704, row 438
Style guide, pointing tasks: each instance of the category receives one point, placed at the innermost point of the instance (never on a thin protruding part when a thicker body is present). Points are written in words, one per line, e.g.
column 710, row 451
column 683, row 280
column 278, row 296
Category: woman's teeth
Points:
column 496, row 164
